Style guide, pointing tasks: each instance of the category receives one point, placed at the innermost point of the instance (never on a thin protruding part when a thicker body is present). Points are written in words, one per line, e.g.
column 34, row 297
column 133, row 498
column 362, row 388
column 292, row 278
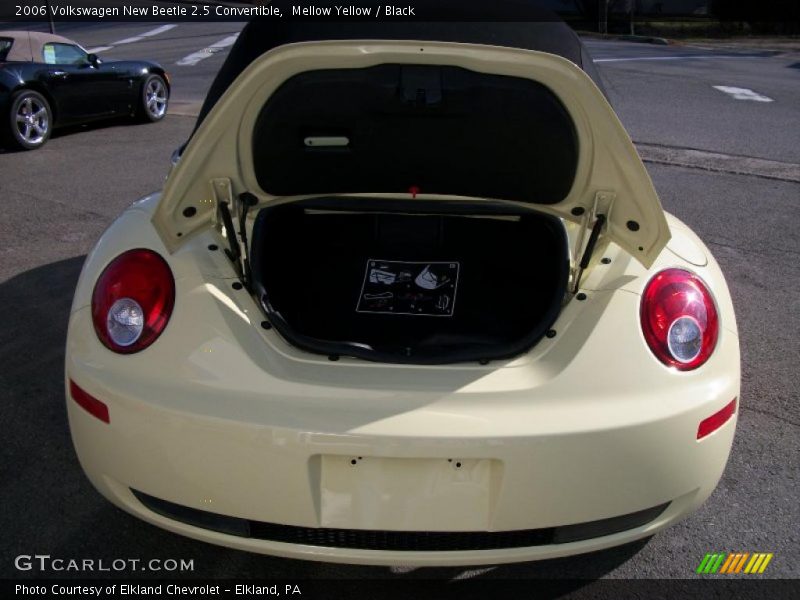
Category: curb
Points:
column 641, row 39
column 182, row 108
column 718, row 162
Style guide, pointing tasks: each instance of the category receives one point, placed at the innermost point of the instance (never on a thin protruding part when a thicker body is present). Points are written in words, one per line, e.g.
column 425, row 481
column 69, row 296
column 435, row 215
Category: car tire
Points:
column 153, row 99
column 29, row 121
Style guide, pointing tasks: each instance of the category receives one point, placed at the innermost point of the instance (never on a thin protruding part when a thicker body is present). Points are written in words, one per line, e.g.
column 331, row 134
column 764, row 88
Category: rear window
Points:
column 5, row 46
column 389, row 128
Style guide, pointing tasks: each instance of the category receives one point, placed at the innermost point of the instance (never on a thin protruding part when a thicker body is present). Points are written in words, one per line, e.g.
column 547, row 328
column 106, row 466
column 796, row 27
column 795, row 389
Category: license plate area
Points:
column 412, row 494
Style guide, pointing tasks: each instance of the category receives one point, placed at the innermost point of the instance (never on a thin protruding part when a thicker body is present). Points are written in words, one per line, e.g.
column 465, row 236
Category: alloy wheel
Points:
column 156, row 98
column 32, row 121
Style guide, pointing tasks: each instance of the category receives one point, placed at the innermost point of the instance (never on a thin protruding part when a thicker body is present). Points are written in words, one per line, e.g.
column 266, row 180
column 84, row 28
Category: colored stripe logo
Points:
column 734, row 562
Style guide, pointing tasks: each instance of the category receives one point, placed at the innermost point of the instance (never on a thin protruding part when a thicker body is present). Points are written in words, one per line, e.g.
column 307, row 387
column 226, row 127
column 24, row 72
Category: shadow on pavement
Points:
column 50, row 508
column 70, row 130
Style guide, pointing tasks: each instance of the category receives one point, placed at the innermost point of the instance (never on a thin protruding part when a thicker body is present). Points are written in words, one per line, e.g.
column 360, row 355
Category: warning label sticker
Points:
column 409, row 288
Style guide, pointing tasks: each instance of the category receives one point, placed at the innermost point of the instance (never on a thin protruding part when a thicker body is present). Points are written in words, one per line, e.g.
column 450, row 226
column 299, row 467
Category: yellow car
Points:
column 405, row 300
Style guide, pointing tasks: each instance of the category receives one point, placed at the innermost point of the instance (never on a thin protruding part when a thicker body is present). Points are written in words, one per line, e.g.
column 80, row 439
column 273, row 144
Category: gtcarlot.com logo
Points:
column 730, row 563
column 46, row 563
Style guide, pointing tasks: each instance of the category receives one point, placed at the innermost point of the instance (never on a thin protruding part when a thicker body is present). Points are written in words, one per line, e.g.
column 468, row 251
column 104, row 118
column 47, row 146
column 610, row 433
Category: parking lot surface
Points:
column 58, row 200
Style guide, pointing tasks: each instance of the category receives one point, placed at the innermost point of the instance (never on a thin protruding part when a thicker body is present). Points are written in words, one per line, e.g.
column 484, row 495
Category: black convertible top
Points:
column 514, row 23
column 555, row 37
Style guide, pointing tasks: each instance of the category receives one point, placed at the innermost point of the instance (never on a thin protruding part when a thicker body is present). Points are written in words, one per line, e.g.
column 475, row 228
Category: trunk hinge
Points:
column 597, row 217
column 228, row 204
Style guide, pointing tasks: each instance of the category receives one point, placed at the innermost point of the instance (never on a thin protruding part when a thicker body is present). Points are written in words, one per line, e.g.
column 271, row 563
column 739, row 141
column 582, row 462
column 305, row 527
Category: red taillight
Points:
column 679, row 319
column 89, row 403
column 132, row 301
column 717, row 420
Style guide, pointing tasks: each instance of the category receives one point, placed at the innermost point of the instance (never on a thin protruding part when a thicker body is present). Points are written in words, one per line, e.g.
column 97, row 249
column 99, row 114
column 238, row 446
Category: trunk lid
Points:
column 428, row 121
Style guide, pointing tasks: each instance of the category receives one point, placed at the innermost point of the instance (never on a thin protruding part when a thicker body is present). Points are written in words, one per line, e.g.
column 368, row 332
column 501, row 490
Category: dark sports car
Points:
column 47, row 81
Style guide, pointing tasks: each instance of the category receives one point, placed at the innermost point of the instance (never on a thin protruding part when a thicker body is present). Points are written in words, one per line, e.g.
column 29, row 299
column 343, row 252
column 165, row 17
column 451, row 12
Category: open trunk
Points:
column 447, row 282
column 465, row 137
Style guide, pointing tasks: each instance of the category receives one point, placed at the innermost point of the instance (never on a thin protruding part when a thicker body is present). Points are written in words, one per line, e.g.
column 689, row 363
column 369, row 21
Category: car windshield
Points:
column 5, row 46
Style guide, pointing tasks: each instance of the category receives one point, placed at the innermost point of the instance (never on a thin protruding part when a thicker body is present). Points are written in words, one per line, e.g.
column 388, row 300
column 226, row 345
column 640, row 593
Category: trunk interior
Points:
column 394, row 282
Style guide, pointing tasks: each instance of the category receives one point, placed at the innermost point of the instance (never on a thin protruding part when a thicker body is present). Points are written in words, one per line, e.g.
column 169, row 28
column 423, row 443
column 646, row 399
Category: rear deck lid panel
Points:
column 441, row 130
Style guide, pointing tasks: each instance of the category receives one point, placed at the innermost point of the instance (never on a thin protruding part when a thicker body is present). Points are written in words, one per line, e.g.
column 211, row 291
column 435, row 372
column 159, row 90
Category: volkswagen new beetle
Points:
column 406, row 298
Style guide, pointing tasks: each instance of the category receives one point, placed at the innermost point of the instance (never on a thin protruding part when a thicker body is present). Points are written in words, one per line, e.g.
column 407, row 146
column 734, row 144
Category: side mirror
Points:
column 94, row 60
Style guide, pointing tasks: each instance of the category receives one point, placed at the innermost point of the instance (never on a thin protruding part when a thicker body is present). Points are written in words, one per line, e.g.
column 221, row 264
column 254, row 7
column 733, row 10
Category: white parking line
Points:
column 146, row 34
column 195, row 57
column 742, row 93
column 136, row 38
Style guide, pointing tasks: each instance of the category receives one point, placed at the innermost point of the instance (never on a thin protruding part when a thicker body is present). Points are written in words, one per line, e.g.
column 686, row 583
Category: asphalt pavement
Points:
column 666, row 95
column 57, row 201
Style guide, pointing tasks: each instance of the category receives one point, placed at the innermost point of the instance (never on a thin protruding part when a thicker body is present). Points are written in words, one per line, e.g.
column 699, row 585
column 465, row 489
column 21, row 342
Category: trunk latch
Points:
column 421, row 86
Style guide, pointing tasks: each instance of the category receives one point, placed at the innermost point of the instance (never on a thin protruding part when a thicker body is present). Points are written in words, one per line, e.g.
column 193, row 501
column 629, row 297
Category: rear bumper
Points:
column 392, row 547
column 405, row 449
column 399, row 540
column 439, row 547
